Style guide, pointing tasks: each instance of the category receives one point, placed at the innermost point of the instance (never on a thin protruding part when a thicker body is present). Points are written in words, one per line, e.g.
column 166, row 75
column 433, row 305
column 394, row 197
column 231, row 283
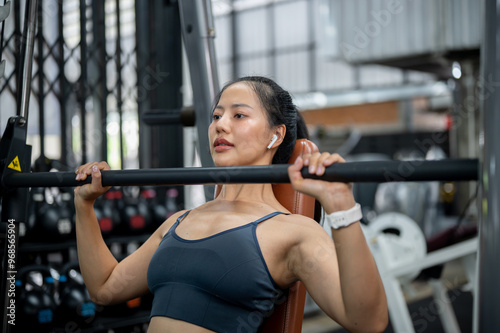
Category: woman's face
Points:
column 240, row 133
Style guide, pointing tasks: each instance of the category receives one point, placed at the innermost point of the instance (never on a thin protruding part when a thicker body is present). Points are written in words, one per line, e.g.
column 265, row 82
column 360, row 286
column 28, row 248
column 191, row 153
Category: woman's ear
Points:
column 280, row 132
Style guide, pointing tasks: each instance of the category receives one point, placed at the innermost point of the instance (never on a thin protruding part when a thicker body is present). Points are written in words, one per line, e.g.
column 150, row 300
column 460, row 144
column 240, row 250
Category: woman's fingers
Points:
column 317, row 162
column 94, row 189
column 307, row 186
column 96, row 178
column 80, row 171
column 332, row 195
column 86, row 170
column 294, row 171
column 313, row 164
column 324, row 160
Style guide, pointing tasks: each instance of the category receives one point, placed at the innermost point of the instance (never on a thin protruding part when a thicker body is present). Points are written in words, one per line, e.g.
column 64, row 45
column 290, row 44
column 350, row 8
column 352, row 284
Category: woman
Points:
column 213, row 267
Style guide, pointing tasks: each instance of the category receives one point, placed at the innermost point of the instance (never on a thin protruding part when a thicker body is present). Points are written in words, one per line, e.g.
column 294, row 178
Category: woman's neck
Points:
column 247, row 192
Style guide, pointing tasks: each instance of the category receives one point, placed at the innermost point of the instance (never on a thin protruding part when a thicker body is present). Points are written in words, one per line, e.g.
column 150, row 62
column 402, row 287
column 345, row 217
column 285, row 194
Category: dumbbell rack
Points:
column 67, row 249
column 42, row 246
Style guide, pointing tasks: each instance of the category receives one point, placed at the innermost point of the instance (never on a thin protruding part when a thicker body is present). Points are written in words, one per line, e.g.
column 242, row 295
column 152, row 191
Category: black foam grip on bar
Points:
column 376, row 171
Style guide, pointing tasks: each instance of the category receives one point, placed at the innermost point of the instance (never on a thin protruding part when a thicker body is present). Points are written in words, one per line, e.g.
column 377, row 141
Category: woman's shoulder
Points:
column 300, row 220
column 169, row 222
column 298, row 225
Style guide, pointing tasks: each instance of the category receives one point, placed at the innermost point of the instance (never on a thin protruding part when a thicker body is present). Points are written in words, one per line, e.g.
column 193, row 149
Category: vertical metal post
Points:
column 159, row 80
column 62, row 85
column 17, row 44
column 198, row 32
column 119, row 102
column 311, row 5
column 97, row 77
column 272, row 54
column 487, row 301
column 27, row 45
column 83, row 77
column 406, row 108
column 466, row 119
column 234, row 41
column 4, row 13
column 41, row 96
column 142, row 47
column 166, row 89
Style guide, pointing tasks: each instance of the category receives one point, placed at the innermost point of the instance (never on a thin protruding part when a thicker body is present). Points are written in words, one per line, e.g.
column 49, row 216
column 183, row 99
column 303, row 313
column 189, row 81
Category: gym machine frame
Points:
column 15, row 155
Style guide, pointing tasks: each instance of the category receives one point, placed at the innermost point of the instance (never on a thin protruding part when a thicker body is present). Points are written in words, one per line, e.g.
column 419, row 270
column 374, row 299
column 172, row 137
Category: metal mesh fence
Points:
column 83, row 103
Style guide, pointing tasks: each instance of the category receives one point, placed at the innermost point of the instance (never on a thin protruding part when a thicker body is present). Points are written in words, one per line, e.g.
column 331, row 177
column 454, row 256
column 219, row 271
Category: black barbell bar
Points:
column 367, row 171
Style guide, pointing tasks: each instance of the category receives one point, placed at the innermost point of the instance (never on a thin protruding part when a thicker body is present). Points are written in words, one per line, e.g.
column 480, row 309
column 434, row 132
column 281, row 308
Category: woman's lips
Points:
column 221, row 145
column 222, row 148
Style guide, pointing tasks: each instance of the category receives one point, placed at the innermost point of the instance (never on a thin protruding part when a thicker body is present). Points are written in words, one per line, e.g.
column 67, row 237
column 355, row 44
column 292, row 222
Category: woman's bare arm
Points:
column 107, row 280
column 341, row 276
column 345, row 280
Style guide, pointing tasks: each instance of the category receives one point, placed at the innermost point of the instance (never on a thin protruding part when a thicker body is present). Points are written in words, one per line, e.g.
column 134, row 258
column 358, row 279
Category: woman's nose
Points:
column 222, row 124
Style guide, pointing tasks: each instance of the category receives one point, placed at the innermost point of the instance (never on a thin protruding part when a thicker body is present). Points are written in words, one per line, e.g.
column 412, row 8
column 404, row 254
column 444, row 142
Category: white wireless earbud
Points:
column 275, row 137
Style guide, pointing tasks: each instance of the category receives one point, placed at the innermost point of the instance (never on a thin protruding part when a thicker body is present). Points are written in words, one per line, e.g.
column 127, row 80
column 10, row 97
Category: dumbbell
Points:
column 107, row 214
column 157, row 210
column 135, row 215
column 53, row 215
column 35, row 298
column 36, row 202
column 66, row 223
column 74, row 300
column 161, row 207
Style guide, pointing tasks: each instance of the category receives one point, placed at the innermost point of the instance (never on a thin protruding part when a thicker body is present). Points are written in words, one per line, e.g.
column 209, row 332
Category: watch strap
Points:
column 344, row 218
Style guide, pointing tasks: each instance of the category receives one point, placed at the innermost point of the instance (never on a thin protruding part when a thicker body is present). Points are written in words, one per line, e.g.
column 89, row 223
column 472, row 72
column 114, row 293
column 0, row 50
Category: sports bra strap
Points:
column 268, row 216
column 182, row 216
column 177, row 221
column 262, row 219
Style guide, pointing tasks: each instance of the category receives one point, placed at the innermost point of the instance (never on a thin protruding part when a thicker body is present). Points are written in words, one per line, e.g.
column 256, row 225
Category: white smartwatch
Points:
column 344, row 218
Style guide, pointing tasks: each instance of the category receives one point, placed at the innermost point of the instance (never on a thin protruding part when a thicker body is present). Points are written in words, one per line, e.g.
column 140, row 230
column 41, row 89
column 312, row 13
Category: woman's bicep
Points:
column 317, row 267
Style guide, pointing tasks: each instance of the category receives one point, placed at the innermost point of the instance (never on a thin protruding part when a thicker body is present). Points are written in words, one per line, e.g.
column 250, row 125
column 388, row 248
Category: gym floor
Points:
column 421, row 296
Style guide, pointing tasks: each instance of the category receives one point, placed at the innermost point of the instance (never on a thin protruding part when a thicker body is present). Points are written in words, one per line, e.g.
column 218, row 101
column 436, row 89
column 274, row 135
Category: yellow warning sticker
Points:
column 14, row 165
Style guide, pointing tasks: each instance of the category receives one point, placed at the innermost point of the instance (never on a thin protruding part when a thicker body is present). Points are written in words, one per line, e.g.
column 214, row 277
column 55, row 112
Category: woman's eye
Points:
column 239, row 115
column 216, row 117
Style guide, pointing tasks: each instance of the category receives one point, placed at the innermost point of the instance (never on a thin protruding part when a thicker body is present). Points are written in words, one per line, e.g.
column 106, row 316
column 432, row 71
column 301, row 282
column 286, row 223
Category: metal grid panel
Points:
column 84, row 68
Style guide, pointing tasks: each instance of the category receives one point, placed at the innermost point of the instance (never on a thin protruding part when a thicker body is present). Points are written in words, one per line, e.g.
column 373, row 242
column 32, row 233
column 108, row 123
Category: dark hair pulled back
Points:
column 280, row 110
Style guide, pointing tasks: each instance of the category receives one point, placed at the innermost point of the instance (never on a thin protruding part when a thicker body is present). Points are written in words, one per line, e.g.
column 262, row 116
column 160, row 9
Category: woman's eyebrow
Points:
column 241, row 105
column 234, row 106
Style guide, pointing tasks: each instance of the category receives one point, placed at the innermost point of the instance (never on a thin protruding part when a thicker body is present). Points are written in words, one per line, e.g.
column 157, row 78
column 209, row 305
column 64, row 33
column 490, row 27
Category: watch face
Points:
column 396, row 240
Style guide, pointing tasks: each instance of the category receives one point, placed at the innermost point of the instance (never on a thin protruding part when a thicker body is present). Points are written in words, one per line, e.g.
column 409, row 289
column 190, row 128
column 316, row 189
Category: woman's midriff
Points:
column 165, row 324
